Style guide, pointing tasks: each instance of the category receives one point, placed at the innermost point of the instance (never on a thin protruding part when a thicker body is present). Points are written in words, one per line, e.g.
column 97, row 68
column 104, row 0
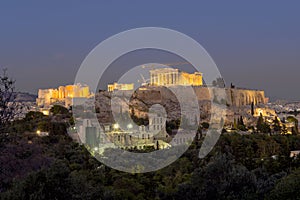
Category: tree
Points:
column 57, row 128
column 240, row 124
column 287, row 188
column 34, row 116
column 262, row 126
column 235, row 124
column 277, row 127
column 221, row 178
column 7, row 100
column 259, row 123
column 252, row 108
column 232, row 86
column 57, row 109
column 292, row 119
column 241, row 121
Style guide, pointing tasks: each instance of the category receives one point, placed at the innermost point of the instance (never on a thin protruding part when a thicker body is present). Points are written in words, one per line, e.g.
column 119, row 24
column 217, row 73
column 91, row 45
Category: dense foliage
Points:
column 253, row 166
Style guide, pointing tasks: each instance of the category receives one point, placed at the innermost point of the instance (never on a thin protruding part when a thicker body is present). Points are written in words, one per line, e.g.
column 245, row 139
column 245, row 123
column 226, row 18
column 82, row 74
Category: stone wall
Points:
column 242, row 97
column 235, row 97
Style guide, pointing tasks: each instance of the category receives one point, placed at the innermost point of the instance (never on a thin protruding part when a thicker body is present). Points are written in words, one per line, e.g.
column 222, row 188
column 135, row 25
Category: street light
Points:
column 116, row 126
column 129, row 126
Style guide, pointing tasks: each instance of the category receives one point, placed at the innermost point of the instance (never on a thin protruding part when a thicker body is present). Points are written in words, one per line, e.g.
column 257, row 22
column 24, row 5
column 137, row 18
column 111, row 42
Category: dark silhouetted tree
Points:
column 252, row 108
column 57, row 109
column 7, row 100
column 262, row 126
column 277, row 127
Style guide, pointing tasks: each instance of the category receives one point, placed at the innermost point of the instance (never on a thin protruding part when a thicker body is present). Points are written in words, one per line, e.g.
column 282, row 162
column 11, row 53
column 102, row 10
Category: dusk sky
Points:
column 255, row 44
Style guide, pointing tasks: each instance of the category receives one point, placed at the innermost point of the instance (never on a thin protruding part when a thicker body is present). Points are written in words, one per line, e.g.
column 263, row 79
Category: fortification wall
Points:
column 234, row 96
column 241, row 97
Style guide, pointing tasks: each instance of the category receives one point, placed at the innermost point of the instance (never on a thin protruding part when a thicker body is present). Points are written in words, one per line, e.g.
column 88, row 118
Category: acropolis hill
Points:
column 162, row 78
column 159, row 91
column 237, row 99
column 235, row 96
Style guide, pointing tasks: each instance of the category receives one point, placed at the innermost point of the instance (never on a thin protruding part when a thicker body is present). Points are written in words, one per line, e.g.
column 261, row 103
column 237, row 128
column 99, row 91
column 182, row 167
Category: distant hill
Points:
column 25, row 97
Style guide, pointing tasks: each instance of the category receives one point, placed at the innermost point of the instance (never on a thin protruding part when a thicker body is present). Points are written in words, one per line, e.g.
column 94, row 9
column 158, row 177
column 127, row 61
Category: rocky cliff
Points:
column 238, row 102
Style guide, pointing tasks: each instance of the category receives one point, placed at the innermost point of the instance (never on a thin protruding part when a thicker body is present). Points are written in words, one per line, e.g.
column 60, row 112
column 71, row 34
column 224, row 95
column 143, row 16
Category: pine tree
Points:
column 252, row 108
column 234, row 124
column 277, row 127
column 260, row 122
column 242, row 121
column 262, row 126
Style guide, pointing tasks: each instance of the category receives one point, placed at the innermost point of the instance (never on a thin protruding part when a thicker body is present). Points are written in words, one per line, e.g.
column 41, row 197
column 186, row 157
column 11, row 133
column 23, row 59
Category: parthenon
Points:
column 170, row 76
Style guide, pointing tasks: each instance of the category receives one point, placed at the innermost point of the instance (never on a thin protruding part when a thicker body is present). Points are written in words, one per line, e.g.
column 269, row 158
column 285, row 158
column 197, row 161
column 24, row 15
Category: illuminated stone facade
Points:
column 170, row 77
column 121, row 86
column 62, row 95
column 235, row 96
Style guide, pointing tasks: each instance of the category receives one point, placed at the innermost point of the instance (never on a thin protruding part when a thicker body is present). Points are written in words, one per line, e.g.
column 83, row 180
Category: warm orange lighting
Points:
column 116, row 126
column 47, row 97
column 120, row 86
column 45, row 112
column 171, row 76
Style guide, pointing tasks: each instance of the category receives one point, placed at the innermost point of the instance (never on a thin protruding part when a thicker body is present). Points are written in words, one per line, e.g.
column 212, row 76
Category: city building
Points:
column 182, row 139
column 145, row 136
column 173, row 77
column 111, row 135
column 156, row 122
column 89, row 133
column 120, row 86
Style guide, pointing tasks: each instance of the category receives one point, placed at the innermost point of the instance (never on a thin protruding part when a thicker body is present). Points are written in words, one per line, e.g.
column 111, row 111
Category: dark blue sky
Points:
column 255, row 44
